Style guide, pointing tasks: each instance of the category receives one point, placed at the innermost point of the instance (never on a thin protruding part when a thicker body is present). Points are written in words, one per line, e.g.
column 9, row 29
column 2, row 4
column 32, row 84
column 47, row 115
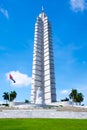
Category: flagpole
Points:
column 9, row 91
column 11, row 78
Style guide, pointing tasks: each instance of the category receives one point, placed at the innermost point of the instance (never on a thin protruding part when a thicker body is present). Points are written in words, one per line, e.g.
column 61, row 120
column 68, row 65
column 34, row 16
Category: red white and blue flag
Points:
column 11, row 77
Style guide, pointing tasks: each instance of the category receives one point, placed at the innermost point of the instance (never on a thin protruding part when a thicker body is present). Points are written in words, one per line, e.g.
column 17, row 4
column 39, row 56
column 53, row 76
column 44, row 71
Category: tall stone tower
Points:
column 43, row 89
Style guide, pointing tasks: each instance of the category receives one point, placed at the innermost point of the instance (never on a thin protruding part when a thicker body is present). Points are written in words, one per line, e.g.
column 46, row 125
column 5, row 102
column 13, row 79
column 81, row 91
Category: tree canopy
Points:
column 76, row 97
column 9, row 96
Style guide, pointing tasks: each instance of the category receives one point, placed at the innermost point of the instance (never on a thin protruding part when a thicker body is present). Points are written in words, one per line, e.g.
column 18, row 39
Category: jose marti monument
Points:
column 43, row 90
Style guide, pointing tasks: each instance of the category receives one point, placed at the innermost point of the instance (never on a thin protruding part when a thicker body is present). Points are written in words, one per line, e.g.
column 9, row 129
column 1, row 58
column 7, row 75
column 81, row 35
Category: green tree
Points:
column 26, row 101
column 13, row 95
column 76, row 97
column 66, row 99
column 73, row 95
column 6, row 96
column 9, row 96
column 79, row 98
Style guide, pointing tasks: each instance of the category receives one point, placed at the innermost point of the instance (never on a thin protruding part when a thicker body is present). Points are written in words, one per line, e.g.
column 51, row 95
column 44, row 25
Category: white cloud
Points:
column 64, row 91
column 22, row 80
column 4, row 12
column 78, row 5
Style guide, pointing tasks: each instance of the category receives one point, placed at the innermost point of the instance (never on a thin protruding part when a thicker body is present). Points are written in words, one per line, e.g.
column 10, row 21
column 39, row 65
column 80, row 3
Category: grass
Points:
column 43, row 124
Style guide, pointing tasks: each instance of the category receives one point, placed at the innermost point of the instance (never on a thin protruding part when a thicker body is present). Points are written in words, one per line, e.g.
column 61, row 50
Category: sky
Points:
column 69, row 31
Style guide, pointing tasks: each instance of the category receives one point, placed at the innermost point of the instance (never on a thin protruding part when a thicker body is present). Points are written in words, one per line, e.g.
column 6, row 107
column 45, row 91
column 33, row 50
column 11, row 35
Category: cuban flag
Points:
column 11, row 77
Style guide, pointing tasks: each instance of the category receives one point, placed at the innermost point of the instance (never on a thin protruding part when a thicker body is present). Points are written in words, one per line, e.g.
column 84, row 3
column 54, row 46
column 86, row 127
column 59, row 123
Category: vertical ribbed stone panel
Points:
column 43, row 78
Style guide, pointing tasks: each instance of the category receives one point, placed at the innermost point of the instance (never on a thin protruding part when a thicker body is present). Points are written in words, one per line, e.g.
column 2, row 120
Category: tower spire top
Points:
column 42, row 8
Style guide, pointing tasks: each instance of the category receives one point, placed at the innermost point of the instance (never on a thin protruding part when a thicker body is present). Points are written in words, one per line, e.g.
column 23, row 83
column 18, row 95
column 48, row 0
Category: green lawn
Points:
column 43, row 124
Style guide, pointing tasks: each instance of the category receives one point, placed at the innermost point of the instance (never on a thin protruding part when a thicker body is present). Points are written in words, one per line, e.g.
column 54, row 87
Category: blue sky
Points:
column 69, row 26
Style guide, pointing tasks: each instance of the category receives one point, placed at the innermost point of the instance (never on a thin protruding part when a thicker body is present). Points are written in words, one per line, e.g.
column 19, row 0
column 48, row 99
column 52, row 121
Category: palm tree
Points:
column 13, row 95
column 9, row 96
column 73, row 95
column 76, row 97
column 6, row 96
column 79, row 98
